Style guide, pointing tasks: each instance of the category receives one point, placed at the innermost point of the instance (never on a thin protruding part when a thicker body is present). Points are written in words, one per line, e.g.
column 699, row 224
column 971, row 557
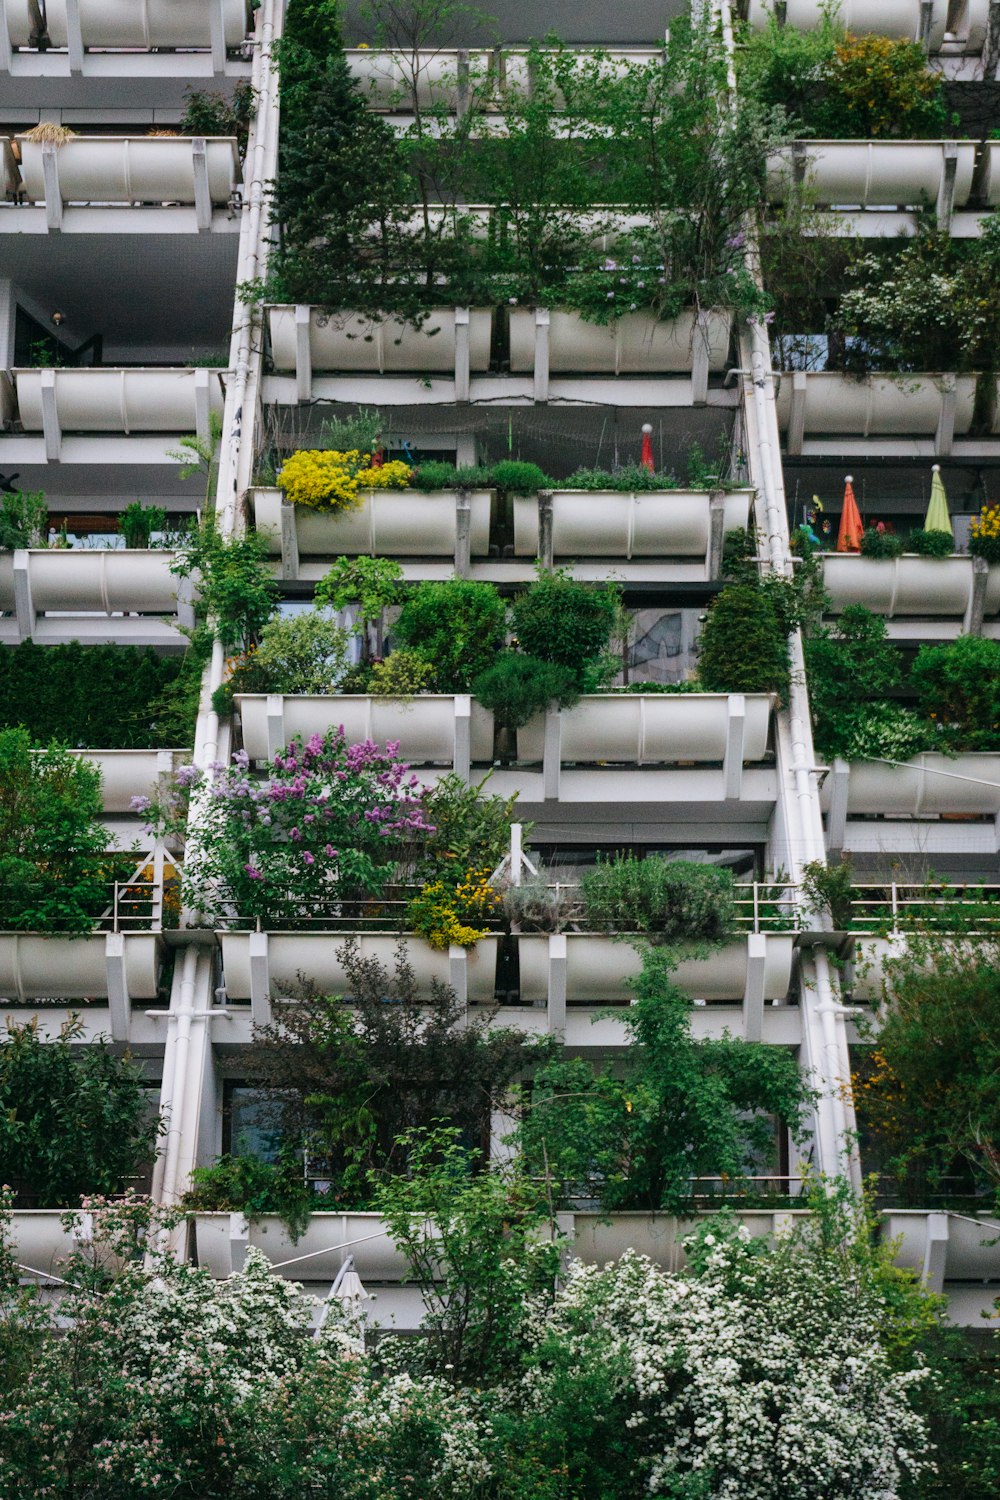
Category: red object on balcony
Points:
column 646, row 460
column 851, row 530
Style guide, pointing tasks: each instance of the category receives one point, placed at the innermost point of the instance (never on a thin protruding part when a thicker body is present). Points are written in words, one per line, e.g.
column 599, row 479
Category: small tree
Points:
column 74, row 1119
column 235, row 589
column 457, row 626
column 54, row 869
column 743, row 646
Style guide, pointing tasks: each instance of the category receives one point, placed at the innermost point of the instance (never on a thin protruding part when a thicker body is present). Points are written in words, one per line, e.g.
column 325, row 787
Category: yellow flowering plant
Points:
column 984, row 534
column 330, row 479
column 444, row 914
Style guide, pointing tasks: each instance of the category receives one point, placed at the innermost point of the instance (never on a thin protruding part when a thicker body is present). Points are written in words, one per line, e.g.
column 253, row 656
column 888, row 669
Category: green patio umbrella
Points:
column 937, row 518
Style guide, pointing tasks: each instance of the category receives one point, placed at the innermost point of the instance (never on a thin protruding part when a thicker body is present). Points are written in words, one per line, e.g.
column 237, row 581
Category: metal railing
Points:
column 133, row 905
column 893, row 907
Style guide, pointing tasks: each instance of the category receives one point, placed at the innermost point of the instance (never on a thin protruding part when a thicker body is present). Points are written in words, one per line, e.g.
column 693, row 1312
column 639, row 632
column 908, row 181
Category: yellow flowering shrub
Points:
column 327, row 479
column 444, row 914
column 984, row 534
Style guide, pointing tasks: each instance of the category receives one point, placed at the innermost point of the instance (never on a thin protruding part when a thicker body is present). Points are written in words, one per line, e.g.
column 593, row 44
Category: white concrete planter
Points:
column 599, row 968
column 604, row 1237
column 908, row 585
column 316, row 955
column 131, row 169
column 137, row 23
column 110, row 400
column 968, row 1254
column 873, row 173
column 100, row 581
column 40, row 1240
column 36, row 966
column 387, row 523
column 425, row 726
column 221, row 1240
column 991, row 172
column 893, row 18
column 650, row 728
column 439, row 79
column 916, row 789
column 609, row 523
column 875, row 405
column 637, row 343
column 351, row 341
column 131, row 773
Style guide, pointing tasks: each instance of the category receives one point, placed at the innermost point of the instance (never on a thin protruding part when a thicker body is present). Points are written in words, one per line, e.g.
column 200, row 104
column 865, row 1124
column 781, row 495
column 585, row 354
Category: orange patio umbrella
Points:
column 851, row 530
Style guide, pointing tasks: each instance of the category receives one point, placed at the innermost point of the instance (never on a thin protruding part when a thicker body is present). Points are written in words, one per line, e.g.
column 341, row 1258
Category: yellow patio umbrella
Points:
column 937, row 518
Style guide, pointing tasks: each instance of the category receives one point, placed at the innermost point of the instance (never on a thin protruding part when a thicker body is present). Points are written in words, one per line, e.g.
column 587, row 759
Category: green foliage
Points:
column 678, row 901
column 566, row 623
column 743, row 646
column 24, row 520
column 457, row 626
column 930, row 543
column 137, row 522
column 54, row 871
column 879, row 731
column 200, row 455
column 962, row 1404
column 516, row 478
column 629, row 479
column 671, row 1109
column 849, row 667
column 516, row 687
column 364, row 432
column 303, row 653
column 473, row 1244
column 959, row 684
column 74, row 1120
column 435, row 474
column 471, row 829
column 830, row 889
column 878, row 542
column 243, row 1184
column 370, row 583
column 236, row 592
column 216, row 114
column 107, row 697
column 400, row 675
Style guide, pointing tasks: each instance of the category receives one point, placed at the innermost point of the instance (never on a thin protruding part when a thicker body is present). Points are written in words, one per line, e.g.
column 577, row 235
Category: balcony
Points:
column 931, row 805
column 921, row 596
column 182, row 185
column 59, row 409
column 892, row 18
column 647, row 749
column 826, row 414
column 553, row 355
column 101, row 597
column 667, row 536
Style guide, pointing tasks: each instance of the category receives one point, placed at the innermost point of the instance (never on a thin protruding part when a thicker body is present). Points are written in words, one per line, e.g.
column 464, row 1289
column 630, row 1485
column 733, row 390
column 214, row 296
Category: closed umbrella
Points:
column 646, row 461
column 851, row 530
column 937, row 518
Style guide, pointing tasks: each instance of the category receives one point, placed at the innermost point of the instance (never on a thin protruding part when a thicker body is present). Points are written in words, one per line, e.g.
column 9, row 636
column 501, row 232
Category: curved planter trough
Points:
column 134, row 23
column 131, row 773
column 927, row 784
column 637, row 343
column 131, row 169
column 599, row 968
column 910, row 585
column 427, row 726
column 440, row 78
column 872, row 173
column 352, row 341
column 104, row 581
column 38, row 966
column 892, row 18
column 610, row 523
column 875, row 405
column 651, row 728
column 118, row 400
column 221, row 1241
column 387, row 523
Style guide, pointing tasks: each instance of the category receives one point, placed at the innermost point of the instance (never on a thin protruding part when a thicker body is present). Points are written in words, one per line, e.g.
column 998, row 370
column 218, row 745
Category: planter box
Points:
column 387, row 523
column 425, row 726
column 908, row 585
column 315, row 954
column 352, row 341
column 991, row 172
column 135, row 23
column 916, row 789
column 650, row 728
column 110, row 400
column 221, row 1241
column 440, row 79
column 131, row 773
column 102, row 581
column 892, row 18
column 967, row 1254
column 875, row 405
column 599, row 968
column 38, row 966
column 131, row 169
column 40, row 1240
column 872, row 173
column 608, row 523
column 637, row 343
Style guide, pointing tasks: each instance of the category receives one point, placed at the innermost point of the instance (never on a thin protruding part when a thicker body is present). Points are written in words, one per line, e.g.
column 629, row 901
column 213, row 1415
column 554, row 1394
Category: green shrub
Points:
column 931, row 543
column 675, row 900
column 849, row 665
column 137, row 523
column 959, row 683
column 304, row 653
column 74, row 1120
column 400, row 675
column 457, row 626
column 879, row 543
column 517, row 478
column 630, row 477
column 877, row 731
column 516, row 687
column 743, row 647
column 564, row 622
column 107, row 697
column 236, row 591
column 244, row 1184
column 24, row 520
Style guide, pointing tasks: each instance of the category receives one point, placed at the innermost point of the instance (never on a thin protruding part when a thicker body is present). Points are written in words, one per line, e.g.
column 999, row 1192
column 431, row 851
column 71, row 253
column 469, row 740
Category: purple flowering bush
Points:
column 329, row 823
